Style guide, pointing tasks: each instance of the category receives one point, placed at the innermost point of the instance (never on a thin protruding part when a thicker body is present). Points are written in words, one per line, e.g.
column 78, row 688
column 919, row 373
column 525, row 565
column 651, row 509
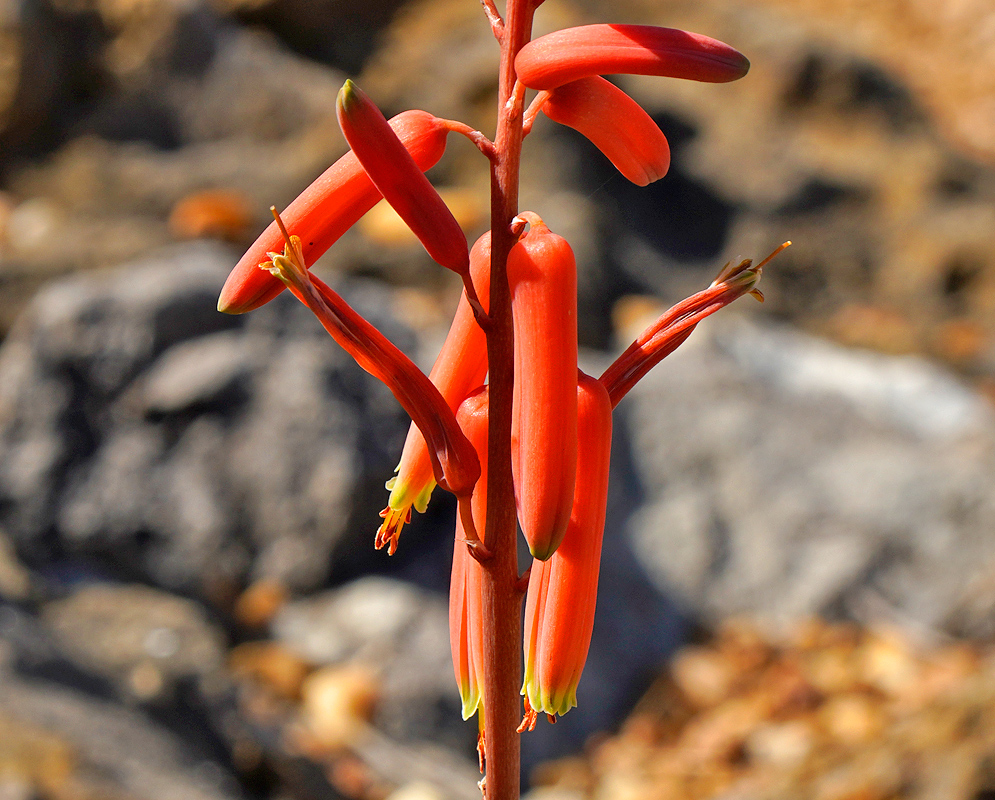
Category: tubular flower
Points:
column 542, row 275
column 562, row 593
column 615, row 123
column 466, row 632
column 325, row 210
column 399, row 179
column 675, row 326
column 454, row 461
column 459, row 368
column 572, row 53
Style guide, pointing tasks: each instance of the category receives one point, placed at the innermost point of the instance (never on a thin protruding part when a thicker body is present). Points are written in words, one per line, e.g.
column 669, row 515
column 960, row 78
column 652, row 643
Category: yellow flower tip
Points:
column 348, row 95
column 394, row 520
column 471, row 701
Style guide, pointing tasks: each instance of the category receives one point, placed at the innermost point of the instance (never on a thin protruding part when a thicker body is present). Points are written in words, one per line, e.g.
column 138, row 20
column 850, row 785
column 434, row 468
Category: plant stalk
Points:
column 502, row 596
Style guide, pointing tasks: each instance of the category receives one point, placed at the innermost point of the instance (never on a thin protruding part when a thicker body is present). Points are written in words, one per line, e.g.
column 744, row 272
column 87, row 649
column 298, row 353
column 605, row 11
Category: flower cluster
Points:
column 561, row 418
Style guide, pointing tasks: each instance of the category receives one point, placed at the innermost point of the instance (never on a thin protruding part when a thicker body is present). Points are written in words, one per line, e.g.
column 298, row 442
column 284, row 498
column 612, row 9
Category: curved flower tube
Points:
column 325, row 210
column 573, row 53
column 615, row 123
column 460, row 367
column 454, row 461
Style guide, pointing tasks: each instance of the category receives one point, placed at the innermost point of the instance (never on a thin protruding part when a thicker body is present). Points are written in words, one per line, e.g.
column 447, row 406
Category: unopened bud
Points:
column 572, row 53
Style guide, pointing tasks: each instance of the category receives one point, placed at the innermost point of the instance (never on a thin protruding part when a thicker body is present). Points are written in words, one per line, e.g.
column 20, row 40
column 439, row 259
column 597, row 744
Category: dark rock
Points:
column 60, row 734
column 141, row 639
column 146, row 431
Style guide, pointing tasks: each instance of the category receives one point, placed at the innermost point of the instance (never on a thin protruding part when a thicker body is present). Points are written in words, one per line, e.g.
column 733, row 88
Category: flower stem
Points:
column 502, row 596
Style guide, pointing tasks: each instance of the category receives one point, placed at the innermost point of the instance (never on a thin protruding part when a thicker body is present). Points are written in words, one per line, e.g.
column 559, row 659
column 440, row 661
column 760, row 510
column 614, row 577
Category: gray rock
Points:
column 144, row 430
column 402, row 632
column 140, row 639
column 91, row 745
column 787, row 477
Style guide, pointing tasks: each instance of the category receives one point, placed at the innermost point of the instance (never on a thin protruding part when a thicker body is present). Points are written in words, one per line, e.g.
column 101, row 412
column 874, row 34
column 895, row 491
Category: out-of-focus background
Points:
column 798, row 588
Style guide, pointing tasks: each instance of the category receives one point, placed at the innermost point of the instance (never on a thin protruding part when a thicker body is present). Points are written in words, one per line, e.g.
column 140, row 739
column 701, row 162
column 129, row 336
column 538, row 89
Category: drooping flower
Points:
column 459, row 368
column 542, row 274
column 402, row 183
column 562, row 593
column 454, row 460
column 615, row 123
column 608, row 49
column 466, row 623
column 325, row 210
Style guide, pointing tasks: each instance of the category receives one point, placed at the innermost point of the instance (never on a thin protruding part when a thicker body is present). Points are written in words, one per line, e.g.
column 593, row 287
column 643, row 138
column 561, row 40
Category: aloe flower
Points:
column 400, row 180
column 572, row 53
column 454, row 461
column 670, row 331
column 466, row 629
column 459, row 368
column 325, row 210
column 542, row 275
column 563, row 590
column 615, row 123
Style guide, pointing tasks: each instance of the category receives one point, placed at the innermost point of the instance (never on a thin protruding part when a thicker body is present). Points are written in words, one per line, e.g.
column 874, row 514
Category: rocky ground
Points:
column 189, row 603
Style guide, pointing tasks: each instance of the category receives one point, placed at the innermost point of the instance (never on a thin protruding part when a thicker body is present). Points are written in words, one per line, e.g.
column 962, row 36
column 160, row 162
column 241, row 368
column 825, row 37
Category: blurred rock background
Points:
column 189, row 603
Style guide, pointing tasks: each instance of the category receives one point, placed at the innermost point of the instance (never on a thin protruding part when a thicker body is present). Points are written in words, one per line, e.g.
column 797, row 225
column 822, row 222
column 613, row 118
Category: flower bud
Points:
column 325, row 210
column 563, row 591
column 399, row 179
column 542, row 275
column 572, row 53
column 460, row 368
column 466, row 623
column 615, row 123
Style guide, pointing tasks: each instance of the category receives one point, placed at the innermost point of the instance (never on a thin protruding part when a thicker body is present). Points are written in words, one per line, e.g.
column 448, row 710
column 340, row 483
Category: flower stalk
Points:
column 532, row 446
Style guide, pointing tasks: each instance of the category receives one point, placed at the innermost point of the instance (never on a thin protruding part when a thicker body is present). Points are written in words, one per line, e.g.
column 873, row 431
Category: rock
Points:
column 65, row 744
column 141, row 639
column 141, row 428
column 775, row 486
column 399, row 632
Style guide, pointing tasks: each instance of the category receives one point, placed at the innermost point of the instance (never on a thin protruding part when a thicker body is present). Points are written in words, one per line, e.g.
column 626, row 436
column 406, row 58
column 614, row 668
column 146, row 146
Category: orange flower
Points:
column 562, row 594
column 325, row 210
column 399, row 179
column 454, row 461
column 615, row 123
column 542, row 275
column 572, row 53
column 672, row 329
column 460, row 367
column 466, row 626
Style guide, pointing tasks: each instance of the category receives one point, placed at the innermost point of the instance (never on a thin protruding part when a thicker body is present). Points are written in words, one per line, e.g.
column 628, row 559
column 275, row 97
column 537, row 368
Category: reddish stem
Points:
column 502, row 597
